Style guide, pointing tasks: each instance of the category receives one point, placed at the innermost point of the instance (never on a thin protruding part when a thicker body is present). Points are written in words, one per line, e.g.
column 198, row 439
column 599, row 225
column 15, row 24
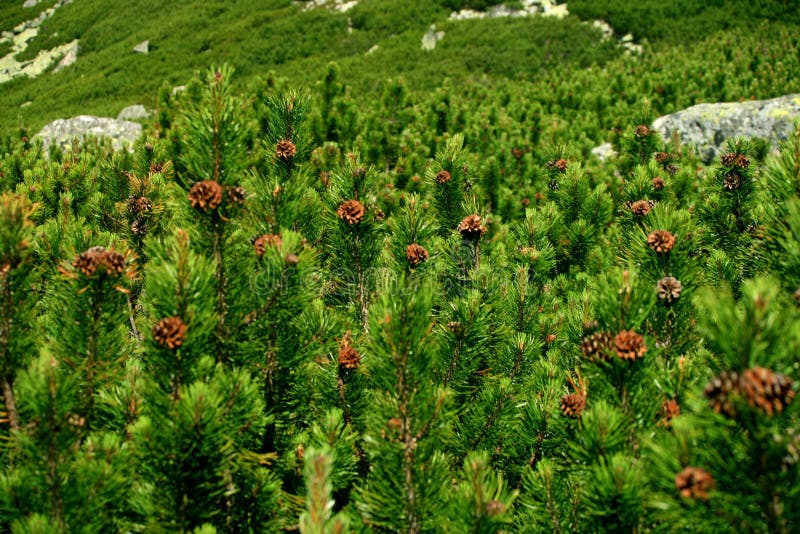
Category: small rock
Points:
column 25, row 104
column 604, row 151
column 431, row 37
column 371, row 50
column 134, row 112
column 69, row 58
column 142, row 48
column 61, row 132
column 30, row 3
column 178, row 89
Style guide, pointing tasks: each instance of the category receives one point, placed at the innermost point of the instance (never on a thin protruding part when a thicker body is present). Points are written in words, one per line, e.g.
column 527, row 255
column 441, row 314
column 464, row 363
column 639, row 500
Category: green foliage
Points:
column 401, row 304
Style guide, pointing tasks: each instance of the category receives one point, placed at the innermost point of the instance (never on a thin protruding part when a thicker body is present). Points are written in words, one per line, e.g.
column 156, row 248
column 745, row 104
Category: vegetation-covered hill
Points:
column 333, row 291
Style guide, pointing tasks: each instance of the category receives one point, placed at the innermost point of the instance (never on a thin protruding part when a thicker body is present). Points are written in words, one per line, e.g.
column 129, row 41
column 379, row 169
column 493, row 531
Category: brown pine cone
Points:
column 661, row 241
column 471, row 228
column 796, row 295
column 658, row 183
column 629, row 345
column 139, row 227
column 236, row 195
column 573, row 404
column 662, row 157
column 139, row 204
column 351, row 211
column 206, row 195
column 641, row 131
column 559, row 165
column 285, row 150
column 670, row 409
column 596, row 346
column 734, row 158
column 669, row 289
column 694, row 483
column 720, row 391
column 766, row 390
column 641, row 208
column 443, row 176
column 416, row 254
column 349, row 358
column 732, row 181
column 98, row 259
column 170, row 332
column 267, row 240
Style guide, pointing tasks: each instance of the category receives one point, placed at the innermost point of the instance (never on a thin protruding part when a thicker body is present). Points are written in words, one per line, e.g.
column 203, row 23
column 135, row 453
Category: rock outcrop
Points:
column 61, row 132
column 708, row 126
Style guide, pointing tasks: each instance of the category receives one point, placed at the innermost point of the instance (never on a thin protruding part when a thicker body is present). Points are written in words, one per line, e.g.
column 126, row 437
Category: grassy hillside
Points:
column 279, row 36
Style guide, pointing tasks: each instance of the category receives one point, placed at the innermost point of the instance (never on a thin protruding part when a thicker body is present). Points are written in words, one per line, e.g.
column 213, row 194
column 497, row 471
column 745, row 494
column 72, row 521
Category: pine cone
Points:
column 669, row 289
column 443, row 176
column 732, row 181
column 641, row 208
column 139, row 227
column 720, row 391
column 206, row 195
column 139, row 204
column 285, row 150
column 596, row 346
column 98, row 259
column 658, row 183
column 796, row 295
column 170, row 332
column 573, row 404
column 694, row 483
column 767, row 390
column 661, row 241
column 669, row 410
column 156, row 168
column 470, row 228
column 236, row 195
column 558, row 165
column 517, row 153
column 736, row 159
column 267, row 240
column 349, row 358
column 662, row 157
column 641, row 131
column 416, row 254
column 629, row 345
column 351, row 211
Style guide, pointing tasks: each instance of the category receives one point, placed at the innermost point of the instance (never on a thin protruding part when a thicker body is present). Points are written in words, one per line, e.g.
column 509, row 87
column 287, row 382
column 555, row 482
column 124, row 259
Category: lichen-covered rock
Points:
column 708, row 126
column 431, row 37
column 61, row 132
column 134, row 112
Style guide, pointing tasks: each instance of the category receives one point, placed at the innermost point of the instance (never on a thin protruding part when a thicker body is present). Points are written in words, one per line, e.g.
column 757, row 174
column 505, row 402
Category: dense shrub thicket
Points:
column 410, row 304
column 284, row 313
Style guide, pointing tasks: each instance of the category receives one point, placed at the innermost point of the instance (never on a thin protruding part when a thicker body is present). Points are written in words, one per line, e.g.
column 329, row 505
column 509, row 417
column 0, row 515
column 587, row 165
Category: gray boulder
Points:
column 142, row 48
column 709, row 126
column 132, row 113
column 61, row 132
